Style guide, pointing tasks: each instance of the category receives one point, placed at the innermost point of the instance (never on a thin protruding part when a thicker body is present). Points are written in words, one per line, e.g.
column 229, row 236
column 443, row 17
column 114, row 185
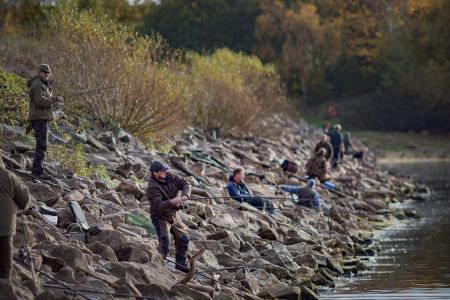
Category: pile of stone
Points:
column 248, row 255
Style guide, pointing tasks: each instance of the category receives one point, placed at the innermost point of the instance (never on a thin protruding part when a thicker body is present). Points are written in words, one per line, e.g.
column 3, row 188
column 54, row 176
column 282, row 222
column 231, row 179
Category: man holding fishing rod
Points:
column 40, row 114
column 239, row 192
column 163, row 193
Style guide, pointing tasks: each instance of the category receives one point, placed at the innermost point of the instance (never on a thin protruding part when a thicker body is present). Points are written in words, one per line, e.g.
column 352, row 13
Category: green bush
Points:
column 13, row 99
column 72, row 157
column 233, row 92
column 133, row 81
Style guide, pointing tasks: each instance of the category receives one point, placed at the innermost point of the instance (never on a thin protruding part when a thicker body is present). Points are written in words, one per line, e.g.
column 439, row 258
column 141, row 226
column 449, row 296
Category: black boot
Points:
column 180, row 256
column 181, row 263
column 163, row 246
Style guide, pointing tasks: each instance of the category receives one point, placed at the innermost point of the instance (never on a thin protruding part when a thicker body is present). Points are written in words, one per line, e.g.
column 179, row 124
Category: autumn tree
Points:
column 301, row 44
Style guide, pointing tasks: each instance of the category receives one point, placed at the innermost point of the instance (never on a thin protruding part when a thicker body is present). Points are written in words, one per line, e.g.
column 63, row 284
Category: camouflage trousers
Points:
column 40, row 128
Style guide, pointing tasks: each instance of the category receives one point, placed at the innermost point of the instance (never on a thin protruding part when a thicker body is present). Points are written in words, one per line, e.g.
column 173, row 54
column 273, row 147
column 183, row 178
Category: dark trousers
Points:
column 5, row 256
column 181, row 238
column 261, row 203
column 40, row 128
column 336, row 155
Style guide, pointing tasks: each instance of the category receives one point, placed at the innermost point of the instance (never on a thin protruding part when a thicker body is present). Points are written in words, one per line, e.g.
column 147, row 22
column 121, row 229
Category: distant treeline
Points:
column 383, row 58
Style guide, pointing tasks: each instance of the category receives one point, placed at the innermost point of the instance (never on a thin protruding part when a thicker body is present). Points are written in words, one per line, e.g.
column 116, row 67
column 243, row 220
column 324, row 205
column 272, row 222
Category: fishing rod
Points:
column 33, row 273
column 99, row 292
column 89, row 91
column 73, row 290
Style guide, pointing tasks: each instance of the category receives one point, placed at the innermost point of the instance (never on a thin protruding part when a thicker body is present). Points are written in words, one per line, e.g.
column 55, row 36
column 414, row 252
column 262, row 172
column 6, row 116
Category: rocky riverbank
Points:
column 246, row 253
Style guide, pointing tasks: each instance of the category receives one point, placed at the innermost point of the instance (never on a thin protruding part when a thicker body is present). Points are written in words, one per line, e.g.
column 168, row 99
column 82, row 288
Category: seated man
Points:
column 239, row 191
column 317, row 166
column 307, row 196
column 324, row 143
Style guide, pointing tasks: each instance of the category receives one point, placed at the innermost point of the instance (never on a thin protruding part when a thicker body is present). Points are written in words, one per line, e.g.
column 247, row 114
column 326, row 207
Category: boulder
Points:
column 105, row 251
column 190, row 292
column 281, row 292
column 269, row 234
column 107, row 137
column 131, row 253
column 96, row 144
column 129, row 187
column 113, row 238
column 72, row 256
column 226, row 237
column 223, row 221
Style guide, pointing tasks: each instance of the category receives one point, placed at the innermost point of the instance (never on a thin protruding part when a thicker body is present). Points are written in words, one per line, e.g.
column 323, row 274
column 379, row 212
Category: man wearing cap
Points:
column 307, row 196
column 163, row 193
column 336, row 141
column 13, row 196
column 40, row 114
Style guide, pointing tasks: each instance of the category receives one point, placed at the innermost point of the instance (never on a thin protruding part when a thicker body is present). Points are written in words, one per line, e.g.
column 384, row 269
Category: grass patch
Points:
column 72, row 157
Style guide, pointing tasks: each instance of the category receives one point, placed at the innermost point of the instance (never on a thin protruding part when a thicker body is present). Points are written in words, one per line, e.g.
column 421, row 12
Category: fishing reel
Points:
column 184, row 206
column 59, row 105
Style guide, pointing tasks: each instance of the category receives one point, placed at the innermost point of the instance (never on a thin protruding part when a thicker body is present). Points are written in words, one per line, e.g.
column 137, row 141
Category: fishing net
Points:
column 140, row 221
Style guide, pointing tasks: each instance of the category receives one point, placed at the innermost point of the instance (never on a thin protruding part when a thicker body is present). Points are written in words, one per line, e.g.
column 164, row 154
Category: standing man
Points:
column 239, row 192
column 337, row 143
column 348, row 145
column 324, row 143
column 40, row 114
column 163, row 193
column 307, row 196
column 13, row 196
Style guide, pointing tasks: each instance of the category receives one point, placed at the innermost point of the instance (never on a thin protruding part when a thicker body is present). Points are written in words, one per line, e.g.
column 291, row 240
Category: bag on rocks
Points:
column 289, row 166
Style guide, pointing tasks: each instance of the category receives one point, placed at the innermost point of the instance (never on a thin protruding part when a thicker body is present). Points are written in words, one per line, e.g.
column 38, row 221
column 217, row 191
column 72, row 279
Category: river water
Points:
column 414, row 261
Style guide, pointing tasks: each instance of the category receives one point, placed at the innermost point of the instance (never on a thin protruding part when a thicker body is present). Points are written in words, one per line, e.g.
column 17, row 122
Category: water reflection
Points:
column 414, row 262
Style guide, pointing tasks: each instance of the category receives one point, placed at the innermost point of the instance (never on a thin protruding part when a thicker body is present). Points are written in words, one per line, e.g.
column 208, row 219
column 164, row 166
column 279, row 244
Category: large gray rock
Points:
column 107, row 137
column 115, row 239
column 281, row 292
column 105, row 251
column 72, row 256
column 226, row 237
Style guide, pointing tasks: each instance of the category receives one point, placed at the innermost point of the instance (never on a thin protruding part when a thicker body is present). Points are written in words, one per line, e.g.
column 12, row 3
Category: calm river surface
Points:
column 414, row 261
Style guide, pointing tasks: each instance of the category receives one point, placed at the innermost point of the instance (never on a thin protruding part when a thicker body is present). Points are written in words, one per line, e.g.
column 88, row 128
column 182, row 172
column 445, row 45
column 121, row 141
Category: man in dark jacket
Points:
column 317, row 166
column 348, row 145
column 40, row 114
column 336, row 141
column 324, row 143
column 239, row 191
column 163, row 193
column 13, row 196
column 307, row 196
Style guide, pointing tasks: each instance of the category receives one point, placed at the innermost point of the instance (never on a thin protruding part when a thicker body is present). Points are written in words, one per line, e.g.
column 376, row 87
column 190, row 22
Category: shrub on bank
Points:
column 233, row 92
column 13, row 99
column 108, row 73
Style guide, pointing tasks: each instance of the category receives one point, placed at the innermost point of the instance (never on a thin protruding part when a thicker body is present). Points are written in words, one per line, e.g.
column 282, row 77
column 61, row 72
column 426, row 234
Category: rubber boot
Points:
column 163, row 246
column 180, row 257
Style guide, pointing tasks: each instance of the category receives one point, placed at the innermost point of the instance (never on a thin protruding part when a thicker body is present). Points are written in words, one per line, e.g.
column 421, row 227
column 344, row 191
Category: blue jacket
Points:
column 237, row 191
column 306, row 196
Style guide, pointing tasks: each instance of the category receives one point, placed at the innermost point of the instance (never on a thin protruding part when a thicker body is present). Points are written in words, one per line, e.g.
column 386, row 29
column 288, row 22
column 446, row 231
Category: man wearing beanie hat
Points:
column 163, row 193
column 40, row 114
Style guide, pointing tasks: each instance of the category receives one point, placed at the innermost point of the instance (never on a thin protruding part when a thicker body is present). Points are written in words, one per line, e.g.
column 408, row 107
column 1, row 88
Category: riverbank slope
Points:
column 251, row 255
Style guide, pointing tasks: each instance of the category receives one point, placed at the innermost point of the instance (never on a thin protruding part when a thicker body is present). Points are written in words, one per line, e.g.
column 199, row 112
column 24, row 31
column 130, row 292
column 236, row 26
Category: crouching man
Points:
column 163, row 193
column 307, row 196
column 13, row 196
